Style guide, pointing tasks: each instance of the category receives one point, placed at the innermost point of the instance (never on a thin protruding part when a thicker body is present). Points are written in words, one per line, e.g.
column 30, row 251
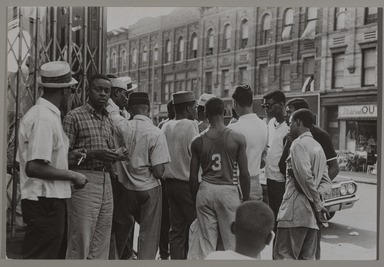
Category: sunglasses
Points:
column 268, row 105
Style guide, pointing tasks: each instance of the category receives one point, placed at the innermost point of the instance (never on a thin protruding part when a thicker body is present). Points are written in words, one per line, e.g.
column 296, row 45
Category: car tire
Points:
column 331, row 214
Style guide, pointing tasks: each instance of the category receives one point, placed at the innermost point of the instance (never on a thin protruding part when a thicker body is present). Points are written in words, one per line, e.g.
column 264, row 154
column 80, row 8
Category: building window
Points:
column 108, row 63
column 194, row 46
column 168, row 47
column 310, row 29
column 134, row 56
column 266, row 27
column 340, row 17
column 210, row 42
column 243, row 79
column 114, row 61
column 370, row 15
column 227, row 38
column 180, row 49
column 244, row 33
column 285, row 74
column 263, row 77
column 145, row 54
column 308, row 74
column 208, row 82
column 338, row 70
column 15, row 14
column 225, row 83
column 369, row 67
column 288, row 23
column 155, row 53
column 166, row 92
column 124, row 60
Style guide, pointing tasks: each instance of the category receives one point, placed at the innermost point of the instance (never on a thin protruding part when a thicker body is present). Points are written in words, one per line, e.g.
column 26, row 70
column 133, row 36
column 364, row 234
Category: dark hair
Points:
column 111, row 76
column 96, row 77
column 305, row 116
column 170, row 110
column 243, row 95
column 214, row 106
column 276, row 95
column 179, row 108
column 297, row 103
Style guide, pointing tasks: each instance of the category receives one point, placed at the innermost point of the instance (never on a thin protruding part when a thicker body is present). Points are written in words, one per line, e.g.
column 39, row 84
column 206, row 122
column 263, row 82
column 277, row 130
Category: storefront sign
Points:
column 358, row 111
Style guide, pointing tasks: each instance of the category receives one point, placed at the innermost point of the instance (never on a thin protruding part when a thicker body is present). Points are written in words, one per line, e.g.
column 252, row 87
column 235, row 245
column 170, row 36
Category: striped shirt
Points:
column 87, row 129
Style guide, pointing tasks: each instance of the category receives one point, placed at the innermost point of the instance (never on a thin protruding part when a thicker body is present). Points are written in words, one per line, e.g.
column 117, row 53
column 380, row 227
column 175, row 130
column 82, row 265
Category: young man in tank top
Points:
column 218, row 150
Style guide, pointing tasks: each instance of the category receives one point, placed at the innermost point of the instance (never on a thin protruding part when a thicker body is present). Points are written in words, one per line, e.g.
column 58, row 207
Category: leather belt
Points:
column 97, row 169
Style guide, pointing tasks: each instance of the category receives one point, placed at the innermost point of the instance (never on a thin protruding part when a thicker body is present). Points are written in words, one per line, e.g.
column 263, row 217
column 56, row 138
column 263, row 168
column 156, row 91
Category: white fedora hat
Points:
column 56, row 74
column 128, row 81
column 204, row 98
column 118, row 83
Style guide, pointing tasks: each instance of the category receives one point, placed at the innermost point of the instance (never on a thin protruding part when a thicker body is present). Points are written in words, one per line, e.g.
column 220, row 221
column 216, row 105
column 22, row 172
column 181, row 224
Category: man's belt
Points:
column 97, row 169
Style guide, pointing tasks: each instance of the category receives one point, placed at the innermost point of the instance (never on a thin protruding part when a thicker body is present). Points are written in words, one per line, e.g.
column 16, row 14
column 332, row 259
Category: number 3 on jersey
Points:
column 217, row 162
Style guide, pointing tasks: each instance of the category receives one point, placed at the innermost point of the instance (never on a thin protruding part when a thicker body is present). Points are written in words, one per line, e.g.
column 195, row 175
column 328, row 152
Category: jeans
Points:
column 90, row 213
column 216, row 207
column 182, row 213
column 145, row 207
column 165, row 225
column 45, row 231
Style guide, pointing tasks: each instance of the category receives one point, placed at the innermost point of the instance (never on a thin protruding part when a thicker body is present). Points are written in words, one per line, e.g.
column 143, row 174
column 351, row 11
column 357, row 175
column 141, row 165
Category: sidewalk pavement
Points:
column 360, row 177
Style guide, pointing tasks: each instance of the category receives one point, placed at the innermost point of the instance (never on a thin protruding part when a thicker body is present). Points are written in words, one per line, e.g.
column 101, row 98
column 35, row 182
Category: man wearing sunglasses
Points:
column 274, row 106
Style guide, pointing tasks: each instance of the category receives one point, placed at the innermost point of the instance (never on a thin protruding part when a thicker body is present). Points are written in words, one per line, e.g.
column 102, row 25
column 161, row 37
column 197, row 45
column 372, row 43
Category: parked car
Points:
column 343, row 194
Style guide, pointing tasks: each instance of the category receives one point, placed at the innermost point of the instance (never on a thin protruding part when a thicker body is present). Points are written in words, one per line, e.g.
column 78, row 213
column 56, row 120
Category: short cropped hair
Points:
column 214, row 106
column 179, row 108
column 276, row 95
column 96, row 77
column 243, row 95
column 305, row 116
column 297, row 103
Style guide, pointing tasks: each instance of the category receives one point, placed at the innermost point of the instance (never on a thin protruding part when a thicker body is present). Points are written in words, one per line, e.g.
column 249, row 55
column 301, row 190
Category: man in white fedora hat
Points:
column 45, row 180
column 128, row 81
column 204, row 123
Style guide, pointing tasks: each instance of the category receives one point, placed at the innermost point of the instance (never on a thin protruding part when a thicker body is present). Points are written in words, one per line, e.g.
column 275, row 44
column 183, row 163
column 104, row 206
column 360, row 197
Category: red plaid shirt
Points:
column 87, row 129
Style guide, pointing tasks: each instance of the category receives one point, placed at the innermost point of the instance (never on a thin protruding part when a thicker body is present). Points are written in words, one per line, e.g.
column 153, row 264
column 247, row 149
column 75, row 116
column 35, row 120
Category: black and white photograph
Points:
column 192, row 133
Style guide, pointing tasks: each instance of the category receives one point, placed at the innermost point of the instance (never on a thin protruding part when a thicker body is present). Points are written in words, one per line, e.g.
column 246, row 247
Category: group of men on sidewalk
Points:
column 86, row 181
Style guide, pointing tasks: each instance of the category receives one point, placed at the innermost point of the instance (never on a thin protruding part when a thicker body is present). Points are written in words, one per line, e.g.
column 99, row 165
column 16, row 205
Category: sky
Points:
column 124, row 16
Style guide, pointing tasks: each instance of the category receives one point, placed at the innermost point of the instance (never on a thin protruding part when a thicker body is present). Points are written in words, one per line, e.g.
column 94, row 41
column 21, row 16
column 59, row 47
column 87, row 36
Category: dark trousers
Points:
column 275, row 197
column 182, row 214
column 45, row 232
column 165, row 226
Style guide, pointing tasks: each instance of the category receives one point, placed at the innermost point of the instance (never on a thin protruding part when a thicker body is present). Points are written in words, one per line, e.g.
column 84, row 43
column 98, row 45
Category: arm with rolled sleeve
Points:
column 301, row 166
column 159, row 155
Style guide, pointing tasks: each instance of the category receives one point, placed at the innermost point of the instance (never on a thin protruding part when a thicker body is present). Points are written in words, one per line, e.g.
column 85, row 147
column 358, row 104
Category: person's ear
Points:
column 269, row 238
column 233, row 226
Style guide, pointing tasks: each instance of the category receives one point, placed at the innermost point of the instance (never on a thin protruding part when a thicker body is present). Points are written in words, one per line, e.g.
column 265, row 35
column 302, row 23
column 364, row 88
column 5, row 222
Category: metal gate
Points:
column 37, row 35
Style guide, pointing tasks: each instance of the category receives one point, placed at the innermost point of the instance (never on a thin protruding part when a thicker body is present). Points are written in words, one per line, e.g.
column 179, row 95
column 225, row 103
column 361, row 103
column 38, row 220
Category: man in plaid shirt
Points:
column 90, row 210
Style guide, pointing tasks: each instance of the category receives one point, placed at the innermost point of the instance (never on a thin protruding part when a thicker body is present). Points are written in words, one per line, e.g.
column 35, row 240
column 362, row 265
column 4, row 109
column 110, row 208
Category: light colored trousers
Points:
column 216, row 207
column 90, row 218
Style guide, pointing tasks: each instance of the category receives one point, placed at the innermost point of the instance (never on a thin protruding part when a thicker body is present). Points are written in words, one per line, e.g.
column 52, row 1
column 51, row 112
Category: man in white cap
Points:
column 179, row 133
column 204, row 123
column 45, row 180
column 255, row 132
column 131, row 87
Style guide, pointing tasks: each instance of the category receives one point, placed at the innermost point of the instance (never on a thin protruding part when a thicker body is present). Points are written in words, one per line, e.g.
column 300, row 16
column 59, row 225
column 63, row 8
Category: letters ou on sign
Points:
column 358, row 111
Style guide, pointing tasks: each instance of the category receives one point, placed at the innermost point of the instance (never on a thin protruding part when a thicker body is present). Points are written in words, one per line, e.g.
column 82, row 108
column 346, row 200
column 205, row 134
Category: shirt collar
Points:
column 91, row 110
column 305, row 134
column 247, row 116
column 143, row 118
column 43, row 102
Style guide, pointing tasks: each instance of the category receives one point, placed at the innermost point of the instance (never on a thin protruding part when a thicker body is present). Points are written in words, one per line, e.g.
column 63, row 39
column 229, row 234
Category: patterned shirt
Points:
column 87, row 129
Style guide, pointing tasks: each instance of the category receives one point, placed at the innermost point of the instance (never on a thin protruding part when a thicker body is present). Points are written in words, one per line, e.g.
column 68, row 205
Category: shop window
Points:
column 210, row 42
column 227, row 38
column 285, row 75
column 180, row 49
column 340, row 18
column 288, row 23
column 225, row 83
column 370, row 15
column 243, row 79
column 208, row 82
column 338, row 70
column 263, row 77
column 244, row 33
column 310, row 29
column 168, row 47
column 194, row 46
column 266, row 27
column 369, row 67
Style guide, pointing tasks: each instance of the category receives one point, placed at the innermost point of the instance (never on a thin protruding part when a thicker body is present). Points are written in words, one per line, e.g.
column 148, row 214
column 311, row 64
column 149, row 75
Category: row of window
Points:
column 340, row 18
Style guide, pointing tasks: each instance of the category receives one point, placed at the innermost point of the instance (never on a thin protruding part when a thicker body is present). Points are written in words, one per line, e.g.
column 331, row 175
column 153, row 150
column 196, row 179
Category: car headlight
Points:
column 351, row 188
column 343, row 189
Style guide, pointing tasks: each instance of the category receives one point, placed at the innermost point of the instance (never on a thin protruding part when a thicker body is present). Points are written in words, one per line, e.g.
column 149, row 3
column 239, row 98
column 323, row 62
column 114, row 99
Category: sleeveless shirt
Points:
column 217, row 161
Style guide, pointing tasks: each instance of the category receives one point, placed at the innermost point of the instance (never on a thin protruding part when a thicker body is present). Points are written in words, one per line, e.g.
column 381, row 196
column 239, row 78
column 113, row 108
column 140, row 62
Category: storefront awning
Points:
column 357, row 118
column 358, row 112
